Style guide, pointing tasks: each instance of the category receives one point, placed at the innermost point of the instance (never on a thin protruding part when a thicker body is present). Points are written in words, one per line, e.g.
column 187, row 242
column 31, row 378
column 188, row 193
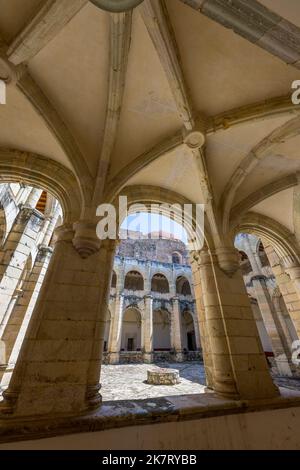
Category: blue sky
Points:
column 146, row 223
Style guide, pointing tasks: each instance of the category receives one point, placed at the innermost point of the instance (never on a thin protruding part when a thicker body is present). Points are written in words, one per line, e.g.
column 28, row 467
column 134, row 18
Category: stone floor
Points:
column 128, row 381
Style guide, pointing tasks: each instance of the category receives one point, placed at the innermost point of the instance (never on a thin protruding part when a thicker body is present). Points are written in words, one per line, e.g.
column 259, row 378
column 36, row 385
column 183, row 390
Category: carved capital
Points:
column 228, row 260
column 85, row 239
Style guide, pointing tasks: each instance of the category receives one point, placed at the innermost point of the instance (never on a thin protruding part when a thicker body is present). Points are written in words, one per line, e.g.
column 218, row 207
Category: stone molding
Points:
column 255, row 23
column 39, row 171
column 156, row 19
column 277, row 235
column 120, row 40
column 43, row 27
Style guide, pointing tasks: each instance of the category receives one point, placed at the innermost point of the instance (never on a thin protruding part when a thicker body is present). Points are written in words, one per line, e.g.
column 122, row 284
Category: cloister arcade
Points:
column 174, row 102
column 148, row 298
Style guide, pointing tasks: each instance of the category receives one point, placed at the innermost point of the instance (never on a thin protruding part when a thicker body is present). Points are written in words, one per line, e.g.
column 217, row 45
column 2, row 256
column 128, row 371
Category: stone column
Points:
column 18, row 246
column 286, row 334
column 239, row 366
column 292, row 268
column 33, row 198
column 148, row 329
column 268, row 315
column 116, row 330
column 14, row 332
column 176, row 329
column 58, row 368
column 204, row 337
column 197, row 332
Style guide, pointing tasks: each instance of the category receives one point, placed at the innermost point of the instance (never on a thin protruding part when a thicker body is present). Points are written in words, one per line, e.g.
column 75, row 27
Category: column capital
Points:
column 85, row 240
column 44, row 250
column 259, row 277
column 228, row 260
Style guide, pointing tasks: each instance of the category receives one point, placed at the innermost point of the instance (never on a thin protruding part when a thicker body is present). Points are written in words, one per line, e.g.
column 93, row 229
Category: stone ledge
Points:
column 119, row 414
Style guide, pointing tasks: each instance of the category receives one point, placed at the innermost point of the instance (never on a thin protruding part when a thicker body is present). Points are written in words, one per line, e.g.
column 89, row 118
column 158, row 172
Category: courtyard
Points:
column 129, row 381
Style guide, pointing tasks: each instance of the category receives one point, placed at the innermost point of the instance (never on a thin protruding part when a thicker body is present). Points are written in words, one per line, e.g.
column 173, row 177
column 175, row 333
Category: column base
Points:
column 93, row 397
column 114, row 358
column 283, row 367
column 148, row 358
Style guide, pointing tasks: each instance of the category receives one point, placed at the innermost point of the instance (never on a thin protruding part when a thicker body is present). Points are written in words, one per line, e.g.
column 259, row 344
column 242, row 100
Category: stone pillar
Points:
column 33, row 198
column 116, row 330
column 239, row 366
column 58, row 368
column 148, row 329
column 286, row 334
column 197, row 333
column 286, row 285
column 15, row 329
column 18, row 246
column 268, row 314
column 176, row 329
column 292, row 268
column 205, row 339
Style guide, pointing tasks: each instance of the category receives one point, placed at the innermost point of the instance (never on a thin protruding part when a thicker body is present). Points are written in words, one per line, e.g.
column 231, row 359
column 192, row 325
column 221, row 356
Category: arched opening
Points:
column 161, row 330
column 262, row 289
column 262, row 254
column 41, row 204
column 188, row 331
column 134, row 281
column 26, row 255
column 114, row 280
column 183, row 286
column 245, row 265
column 107, row 332
column 176, row 258
column 160, row 284
column 131, row 330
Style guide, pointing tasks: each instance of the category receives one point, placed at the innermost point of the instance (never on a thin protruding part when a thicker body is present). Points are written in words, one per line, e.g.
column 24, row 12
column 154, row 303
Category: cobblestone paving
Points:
column 128, row 381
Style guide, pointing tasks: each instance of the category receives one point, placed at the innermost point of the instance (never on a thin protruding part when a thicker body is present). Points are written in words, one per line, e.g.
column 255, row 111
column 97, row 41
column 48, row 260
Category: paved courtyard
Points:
column 128, row 381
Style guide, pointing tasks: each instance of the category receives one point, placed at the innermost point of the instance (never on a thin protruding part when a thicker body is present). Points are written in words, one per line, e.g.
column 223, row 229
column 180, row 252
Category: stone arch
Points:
column 38, row 171
column 176, row 257
column 114, row 279
column 131, row 339
column 134, row 281
column 142, row 197
column 160, row 284
column 107, row 331
column 161, row 330
column 282, row 240
column 183, row 286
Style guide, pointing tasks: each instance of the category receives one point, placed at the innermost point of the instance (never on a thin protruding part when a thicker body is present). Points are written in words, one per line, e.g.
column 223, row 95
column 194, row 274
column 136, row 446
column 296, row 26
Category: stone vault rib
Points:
column 257, row 24
column 46, row 24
